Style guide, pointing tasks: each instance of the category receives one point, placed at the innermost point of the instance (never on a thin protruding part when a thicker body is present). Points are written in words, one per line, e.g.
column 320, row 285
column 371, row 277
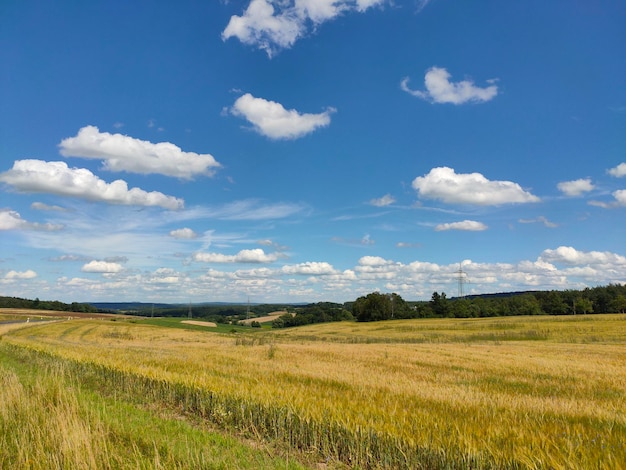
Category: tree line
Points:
column 16, row 302
column 321, row 312
column 379, row 306
column 607, row 299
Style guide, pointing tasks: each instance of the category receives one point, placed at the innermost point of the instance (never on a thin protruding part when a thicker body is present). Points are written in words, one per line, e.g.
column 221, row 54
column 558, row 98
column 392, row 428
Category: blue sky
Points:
column 309, row 150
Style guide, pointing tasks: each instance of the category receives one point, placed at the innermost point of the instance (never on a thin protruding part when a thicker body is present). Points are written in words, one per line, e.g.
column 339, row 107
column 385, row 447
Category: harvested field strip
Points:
column 209, row 324
column 265, row 319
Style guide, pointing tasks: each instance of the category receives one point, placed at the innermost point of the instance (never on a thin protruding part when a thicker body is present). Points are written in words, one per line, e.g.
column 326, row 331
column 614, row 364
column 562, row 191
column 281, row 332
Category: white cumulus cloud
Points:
column 439, row 89
column 618, row 171
column 256, row 255
column 572, row 256
column 123, row 153
column 444, row 184
column 312, row 268
column 576, row 187
column 272, row 120
column 37, row 176
column 275, row 25
column 104, row 267
column 12, row 220
column 386, row 200
column 184, row 233
column 468, row 225
column 28, row 274
column 373, row 261
column 620, row 197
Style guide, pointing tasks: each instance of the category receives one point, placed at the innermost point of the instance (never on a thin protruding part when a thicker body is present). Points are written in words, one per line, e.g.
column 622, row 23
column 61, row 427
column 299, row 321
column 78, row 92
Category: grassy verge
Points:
column 54, row 417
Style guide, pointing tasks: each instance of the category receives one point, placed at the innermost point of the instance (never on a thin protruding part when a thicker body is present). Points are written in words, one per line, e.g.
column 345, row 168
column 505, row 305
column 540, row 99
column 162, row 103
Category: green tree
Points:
column 552, row 302
column 439, row 304
column 372, row 307
column 460, row 308
column 618, row 304
column 377, row 306
column 524, row 304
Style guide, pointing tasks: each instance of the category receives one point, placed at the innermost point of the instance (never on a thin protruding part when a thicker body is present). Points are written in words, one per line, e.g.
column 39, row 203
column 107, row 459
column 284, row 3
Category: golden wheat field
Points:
column 517, row 392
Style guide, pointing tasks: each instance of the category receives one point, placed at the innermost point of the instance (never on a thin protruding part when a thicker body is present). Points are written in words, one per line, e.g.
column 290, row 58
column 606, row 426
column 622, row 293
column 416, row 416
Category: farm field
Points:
column 515, row 392
column 264, row 319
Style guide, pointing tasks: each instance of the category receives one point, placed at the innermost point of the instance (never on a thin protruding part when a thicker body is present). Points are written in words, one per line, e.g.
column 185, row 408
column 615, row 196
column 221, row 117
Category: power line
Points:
column 462, row 280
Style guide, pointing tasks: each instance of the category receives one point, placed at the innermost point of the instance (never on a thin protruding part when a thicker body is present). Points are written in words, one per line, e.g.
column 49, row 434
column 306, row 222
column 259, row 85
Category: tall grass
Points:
column 51, row 420
column 470, row 399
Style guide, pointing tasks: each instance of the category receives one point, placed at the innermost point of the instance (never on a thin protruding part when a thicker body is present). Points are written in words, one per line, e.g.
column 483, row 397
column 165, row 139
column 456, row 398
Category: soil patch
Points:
column 200, row 323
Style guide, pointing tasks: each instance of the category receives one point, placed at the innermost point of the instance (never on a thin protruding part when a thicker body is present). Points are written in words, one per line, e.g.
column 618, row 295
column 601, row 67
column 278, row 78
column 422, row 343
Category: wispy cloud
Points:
column 620, row 200
column 123, row 153
column 421, row 4
column 272, row 120
column 69, row 258
column 246, row 209
column 464, row 225
column 40, row 206
column 439, row 89
column 408, row 245
column 444, row 184
column 366, row 240
column 540, row 219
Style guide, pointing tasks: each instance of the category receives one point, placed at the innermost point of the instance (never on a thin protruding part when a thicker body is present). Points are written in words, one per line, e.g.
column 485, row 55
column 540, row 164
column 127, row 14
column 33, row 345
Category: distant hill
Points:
column 121, row 306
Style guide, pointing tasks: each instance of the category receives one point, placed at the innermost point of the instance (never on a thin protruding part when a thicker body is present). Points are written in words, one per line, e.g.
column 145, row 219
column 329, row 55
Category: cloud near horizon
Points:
column 439, row 89
column 572, row 256
column 256, row 255
column 123, row 153
column 272, row 26
column 38, row 176
column 272, row 120
column 22, row 275
column 311, row 268
column 102, row 267
column 446, row 185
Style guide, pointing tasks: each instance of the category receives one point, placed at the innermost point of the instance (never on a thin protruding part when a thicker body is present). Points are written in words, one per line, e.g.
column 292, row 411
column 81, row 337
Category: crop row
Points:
column 328, row 439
